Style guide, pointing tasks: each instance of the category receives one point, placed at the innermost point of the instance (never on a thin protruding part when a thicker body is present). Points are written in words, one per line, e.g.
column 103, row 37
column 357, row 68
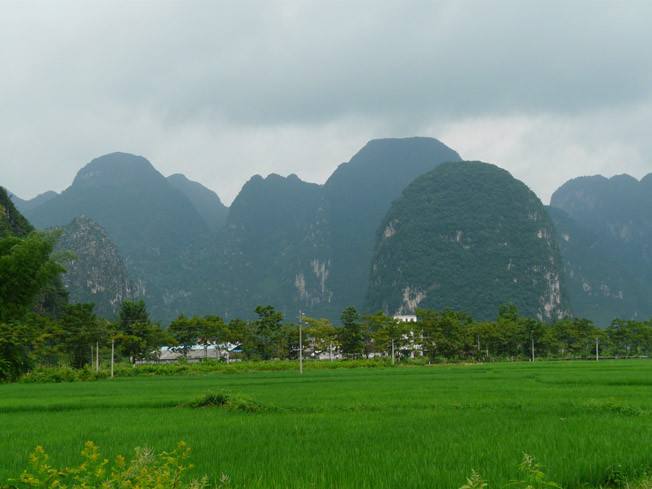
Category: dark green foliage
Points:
column 137, row 337
column 467, row 237
column 82, row 331
column 185, row 332
column 25, row 269
column 351, row 336
column 15, row 350
column 57, row 375
column 269, row 338
column 605, row 230
column 26, row 275
column 445, row 334
column 132, row 312
column 12, row 222
column 228, row 401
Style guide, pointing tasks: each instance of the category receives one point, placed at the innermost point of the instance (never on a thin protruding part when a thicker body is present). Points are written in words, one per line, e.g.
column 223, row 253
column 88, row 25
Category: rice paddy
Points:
column 416, row 427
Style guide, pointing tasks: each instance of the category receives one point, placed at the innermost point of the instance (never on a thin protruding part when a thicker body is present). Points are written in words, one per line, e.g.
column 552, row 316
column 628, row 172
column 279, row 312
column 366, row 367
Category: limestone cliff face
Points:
column 467, row 236
column 95, row 270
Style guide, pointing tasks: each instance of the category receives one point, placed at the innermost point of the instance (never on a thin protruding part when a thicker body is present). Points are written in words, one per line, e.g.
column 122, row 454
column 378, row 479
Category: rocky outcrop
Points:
column 95, row 270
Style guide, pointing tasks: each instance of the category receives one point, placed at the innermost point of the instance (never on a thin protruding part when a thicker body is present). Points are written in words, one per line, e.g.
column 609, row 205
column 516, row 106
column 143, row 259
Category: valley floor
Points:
column 422, row 427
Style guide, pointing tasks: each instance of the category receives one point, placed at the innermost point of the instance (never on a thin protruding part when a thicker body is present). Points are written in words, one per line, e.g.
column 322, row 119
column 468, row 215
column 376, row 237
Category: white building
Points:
column 405, row 318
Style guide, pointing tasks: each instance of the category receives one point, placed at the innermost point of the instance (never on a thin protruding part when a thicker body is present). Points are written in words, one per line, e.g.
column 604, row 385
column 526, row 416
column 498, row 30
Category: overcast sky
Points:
column 220, row 91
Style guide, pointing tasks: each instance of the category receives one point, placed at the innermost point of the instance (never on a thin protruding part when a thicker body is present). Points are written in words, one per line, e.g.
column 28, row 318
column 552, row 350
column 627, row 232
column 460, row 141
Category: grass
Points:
column 420, row 427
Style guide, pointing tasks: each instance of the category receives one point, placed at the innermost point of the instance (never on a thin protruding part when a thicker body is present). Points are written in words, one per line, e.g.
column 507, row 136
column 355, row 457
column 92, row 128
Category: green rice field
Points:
column 413, row 427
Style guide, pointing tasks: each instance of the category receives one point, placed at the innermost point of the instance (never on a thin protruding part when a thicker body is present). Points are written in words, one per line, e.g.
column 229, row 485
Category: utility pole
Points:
column 532, row 345
column 597, row 348
column 393, row 351
column 112, row 354
column 97, row 356
column 301, row 342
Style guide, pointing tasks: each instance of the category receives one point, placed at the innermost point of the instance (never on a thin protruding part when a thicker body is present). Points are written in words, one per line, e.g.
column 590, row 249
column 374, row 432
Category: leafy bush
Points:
column 67, row 374
column 231, row 402
column 62, row 374
column 146, row 470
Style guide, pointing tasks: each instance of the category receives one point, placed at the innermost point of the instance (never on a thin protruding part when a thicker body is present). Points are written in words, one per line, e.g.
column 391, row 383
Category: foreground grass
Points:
column 429, row 427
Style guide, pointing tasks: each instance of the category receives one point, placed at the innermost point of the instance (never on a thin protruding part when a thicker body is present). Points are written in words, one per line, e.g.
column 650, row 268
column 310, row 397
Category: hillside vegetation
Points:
column 469, row 237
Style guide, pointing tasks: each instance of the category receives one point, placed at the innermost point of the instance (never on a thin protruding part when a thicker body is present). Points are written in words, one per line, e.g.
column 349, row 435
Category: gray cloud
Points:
column 222, row 90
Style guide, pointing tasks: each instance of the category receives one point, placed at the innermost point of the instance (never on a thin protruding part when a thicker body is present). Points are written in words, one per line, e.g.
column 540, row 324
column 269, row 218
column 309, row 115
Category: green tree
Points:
column 15, row 350
column 576, row 337
column 351, row 334
column 243, row 333
column 269, row 338
column 137, row 336
column 25, row 270
column 185, row 332
column 212, row 331
column 389, row 334
column 445, row 334
column 322, row 335
column 82, row 331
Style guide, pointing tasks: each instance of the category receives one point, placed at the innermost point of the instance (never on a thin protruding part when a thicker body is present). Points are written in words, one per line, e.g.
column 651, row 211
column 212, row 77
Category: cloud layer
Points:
column 222, row 90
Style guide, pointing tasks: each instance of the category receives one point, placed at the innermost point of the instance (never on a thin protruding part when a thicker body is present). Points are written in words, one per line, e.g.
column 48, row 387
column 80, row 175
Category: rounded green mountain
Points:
column 467, row 236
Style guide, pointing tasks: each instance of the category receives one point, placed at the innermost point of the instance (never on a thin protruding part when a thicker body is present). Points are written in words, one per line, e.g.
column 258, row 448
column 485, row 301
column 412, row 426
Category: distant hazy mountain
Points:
column 605, row 228
column 269, row 240
column 470, row 237
column 95, row 271
column 206, row 202
column 12, row 222
column 302, row 246
column 155, row 226
column 27, row 205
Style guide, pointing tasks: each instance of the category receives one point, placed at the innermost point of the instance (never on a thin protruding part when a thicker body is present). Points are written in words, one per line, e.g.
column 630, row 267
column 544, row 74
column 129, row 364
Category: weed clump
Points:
column 228, row 401
column 145, row 470
column 532, row 477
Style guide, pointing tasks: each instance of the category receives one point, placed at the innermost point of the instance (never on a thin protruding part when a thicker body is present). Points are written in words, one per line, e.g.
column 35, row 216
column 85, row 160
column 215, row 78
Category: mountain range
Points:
column 320, row 248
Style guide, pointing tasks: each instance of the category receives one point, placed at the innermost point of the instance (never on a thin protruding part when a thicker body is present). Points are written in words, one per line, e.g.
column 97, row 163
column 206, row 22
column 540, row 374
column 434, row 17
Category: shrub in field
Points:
column 62, row 374
column 532, row 477
column 146, row 470
column 232, row 402
column 67, row 374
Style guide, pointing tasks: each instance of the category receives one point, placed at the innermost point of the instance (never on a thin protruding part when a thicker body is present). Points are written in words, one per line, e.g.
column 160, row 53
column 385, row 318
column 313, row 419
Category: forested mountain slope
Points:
column 467, row 236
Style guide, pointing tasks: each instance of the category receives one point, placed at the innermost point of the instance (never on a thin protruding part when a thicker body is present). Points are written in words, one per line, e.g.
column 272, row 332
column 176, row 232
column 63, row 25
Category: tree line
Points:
column 73, row 335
